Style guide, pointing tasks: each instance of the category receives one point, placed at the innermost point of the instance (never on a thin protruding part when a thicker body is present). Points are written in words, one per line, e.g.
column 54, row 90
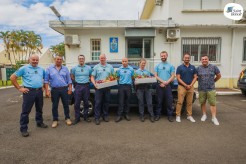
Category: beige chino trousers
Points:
column 182, row 92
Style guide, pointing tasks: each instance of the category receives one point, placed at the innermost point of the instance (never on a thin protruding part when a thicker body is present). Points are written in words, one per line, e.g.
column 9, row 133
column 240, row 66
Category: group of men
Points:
column 59, row 79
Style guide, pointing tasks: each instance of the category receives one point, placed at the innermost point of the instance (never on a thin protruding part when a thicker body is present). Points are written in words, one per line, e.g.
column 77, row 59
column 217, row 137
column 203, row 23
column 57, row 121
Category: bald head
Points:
column 125, row 62
column 33, row 60
column 102, row 59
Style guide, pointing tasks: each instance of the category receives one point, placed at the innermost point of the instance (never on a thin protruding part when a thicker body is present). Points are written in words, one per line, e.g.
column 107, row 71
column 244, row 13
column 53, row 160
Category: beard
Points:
column 163, row 59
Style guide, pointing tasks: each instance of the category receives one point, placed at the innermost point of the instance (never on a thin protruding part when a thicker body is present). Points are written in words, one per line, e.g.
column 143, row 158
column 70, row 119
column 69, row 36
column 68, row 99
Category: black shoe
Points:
column 170, row 119
column 41, row 125
column 105, row 119
column 152, row 119
column 97, row 121
column 118, row 119
column 141, row 119
column 24, row 134
column 76, row 121
column 127, row 117
column 157, row 118
column 87, row 119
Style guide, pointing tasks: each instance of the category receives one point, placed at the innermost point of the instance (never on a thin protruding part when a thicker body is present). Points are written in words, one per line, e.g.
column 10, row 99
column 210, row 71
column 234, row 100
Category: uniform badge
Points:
column 36, row 72
column 124, row 71
column 82, row 70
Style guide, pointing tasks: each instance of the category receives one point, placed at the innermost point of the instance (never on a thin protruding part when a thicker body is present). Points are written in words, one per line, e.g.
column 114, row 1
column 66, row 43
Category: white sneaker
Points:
column 215, row 121
column 191, row 119
column 204, row 117
column 178, row 119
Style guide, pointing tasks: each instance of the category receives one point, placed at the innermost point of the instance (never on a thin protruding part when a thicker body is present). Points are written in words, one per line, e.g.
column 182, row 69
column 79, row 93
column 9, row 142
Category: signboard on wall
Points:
column 113, row 44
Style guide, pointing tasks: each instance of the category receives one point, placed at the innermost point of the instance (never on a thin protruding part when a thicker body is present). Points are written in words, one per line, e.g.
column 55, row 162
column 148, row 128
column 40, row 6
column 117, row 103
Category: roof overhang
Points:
column 108, row 24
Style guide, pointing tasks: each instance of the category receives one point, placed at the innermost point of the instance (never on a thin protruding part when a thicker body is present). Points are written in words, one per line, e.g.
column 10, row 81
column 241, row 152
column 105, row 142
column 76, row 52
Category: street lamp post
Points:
column 56, row 13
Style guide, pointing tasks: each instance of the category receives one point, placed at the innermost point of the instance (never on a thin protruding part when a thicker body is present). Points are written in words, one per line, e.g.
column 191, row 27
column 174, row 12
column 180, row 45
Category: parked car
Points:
column 241, row 83
column 133, row 100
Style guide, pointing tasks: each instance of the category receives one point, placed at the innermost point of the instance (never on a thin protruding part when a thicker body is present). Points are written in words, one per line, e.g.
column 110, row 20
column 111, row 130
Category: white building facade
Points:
column 176, row 26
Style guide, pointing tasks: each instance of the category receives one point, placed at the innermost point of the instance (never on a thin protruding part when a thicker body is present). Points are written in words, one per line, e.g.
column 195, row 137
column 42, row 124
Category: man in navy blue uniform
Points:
column 81, row 74
column 102, row 96
column 125, row 74
column 32, row 77
column 165, row 73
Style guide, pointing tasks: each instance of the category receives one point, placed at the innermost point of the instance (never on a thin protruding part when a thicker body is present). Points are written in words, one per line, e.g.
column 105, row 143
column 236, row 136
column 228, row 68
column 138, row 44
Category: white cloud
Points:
column 35, row 16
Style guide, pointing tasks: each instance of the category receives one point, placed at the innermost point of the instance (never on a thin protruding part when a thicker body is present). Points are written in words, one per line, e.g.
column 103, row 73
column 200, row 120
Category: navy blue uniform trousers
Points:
column 124, row 99
column 102, row 97
column 164, row 93
column 82, row 92
column 33, row 96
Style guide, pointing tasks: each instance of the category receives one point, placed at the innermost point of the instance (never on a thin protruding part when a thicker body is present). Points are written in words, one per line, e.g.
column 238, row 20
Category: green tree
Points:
column 5, row 36
column 20, row 42
column 58, row 49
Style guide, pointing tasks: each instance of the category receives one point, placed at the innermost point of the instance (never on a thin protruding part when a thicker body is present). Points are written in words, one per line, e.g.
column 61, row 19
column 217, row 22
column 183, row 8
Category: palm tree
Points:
column 5, row 36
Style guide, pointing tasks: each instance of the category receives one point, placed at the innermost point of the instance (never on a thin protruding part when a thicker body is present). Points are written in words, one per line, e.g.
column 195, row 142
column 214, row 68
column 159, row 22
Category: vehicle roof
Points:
column 115, row 64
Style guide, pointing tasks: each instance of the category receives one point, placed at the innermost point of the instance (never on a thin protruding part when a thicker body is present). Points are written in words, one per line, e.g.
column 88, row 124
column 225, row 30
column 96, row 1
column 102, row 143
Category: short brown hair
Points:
column 143, row 59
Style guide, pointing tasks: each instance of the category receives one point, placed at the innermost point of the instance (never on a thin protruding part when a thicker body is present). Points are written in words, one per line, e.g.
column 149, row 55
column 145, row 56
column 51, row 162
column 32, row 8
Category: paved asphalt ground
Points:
column 125, row 142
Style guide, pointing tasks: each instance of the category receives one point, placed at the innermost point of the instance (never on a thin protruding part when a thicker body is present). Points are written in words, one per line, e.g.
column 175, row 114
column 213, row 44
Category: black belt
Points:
column 83, row 83
column 60, row 87
column 125, row 84
column 32, row 89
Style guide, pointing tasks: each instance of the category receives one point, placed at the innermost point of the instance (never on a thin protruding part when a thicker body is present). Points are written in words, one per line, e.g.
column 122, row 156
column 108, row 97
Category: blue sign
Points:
column 113, row 44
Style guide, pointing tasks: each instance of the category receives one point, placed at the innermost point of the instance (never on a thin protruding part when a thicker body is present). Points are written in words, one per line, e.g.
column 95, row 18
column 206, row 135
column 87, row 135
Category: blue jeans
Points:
column 82, row 92
column 56, row 94
column 124, row 98
column 164, row 93
column 33, row 96
column 141, row 94
column 102, row 97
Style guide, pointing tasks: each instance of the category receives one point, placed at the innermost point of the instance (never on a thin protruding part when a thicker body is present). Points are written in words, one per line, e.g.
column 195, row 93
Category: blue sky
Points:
column 34, row 15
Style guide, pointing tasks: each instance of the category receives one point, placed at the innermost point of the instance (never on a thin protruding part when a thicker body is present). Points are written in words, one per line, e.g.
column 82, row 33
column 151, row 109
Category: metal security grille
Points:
column 95, row 49
column 244, row 49
column 198, row 47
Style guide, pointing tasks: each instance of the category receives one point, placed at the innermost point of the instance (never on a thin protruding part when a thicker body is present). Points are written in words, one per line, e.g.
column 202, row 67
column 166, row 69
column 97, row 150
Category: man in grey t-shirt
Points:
column 208, row 74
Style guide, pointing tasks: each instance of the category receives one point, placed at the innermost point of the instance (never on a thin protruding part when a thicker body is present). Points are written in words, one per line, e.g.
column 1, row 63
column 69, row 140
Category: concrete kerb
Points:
column 6, row 87
column 221, row 93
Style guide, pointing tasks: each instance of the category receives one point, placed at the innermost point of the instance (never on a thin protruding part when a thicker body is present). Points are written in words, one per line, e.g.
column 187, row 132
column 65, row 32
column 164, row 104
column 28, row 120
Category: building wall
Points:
column 85, row 46
column 175, row 10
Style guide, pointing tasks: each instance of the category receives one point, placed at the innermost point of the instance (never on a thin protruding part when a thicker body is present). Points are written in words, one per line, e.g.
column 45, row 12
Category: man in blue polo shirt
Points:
column 165, row 73
column 102, row 96
column 81, row 75
column 32, row 77
column 186, row 76
column 58, row 77
column 125, row 74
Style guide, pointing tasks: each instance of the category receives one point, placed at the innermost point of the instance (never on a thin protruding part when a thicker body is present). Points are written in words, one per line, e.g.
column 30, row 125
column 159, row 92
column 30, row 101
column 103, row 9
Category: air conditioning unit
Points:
column 72, row 40
column 243, row 20
column 173, row 33
column 158, row 2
